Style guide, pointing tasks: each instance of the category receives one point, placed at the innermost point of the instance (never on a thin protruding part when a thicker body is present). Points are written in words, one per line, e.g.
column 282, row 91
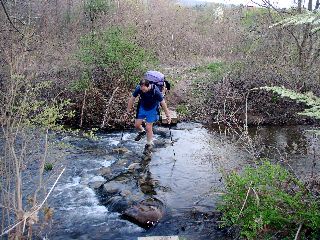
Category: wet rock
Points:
column 128, row 189
column 146, row 214
column 119, row 204
column 134, row 166
column 114, row 171
column 122, row 162
column 96, row 184
column 125, row 193
column 147, row 185
column 112, row 188
column 120, row 150
column 160, row 144
column 105, row 171
column 122, row 201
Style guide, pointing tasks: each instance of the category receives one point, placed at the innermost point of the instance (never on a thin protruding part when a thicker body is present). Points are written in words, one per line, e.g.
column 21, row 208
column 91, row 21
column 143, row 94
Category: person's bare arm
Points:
column 166, row 110
column 130, row 103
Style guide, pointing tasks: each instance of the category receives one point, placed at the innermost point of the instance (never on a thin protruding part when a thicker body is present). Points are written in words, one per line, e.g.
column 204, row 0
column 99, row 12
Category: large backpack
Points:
column 158, row 79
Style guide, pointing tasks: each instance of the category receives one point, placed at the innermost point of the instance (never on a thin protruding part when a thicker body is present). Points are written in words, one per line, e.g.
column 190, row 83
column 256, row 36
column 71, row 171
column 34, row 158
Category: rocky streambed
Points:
column 110, row 190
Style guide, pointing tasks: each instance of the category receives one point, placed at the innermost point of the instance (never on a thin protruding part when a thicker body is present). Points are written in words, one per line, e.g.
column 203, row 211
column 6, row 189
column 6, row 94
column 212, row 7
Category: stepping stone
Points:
column 159, row 238
column 173, row 115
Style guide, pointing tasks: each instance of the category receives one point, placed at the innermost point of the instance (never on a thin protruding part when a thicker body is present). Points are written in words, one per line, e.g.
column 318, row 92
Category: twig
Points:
column 245, row 201
column 83, row 106
column 27, row 215
column 11, row 209
column 298, row 232
column 9, row 19
column 107, row 108
column 257, row 196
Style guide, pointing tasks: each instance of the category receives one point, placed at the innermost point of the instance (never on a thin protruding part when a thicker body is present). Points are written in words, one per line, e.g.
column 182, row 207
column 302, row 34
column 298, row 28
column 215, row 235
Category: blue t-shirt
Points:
column 150, row 99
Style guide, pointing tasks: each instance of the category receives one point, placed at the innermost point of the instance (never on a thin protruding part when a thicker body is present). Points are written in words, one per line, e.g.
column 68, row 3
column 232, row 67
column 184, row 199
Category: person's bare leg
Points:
column 138, row 125
column 142, row 132
column 149, row 133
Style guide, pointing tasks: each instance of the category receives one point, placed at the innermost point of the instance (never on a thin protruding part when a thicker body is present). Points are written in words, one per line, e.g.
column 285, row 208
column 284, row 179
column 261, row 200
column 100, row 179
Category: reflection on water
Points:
column 294, row 146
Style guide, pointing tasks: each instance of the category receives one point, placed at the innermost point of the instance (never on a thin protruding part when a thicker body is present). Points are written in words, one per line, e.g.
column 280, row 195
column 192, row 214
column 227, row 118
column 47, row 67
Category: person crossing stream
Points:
column 151, row 91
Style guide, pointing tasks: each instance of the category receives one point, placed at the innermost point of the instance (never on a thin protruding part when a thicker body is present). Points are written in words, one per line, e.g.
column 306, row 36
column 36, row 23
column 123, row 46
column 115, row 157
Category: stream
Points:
column 184, row 175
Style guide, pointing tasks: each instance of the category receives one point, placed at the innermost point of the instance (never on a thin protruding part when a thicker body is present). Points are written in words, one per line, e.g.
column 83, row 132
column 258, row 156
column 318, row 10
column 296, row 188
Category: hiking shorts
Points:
column 151, row 116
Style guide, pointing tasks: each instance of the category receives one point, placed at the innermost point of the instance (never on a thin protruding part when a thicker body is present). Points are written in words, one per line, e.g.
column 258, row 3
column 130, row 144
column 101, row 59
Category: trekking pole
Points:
column 174, row 153
column 122, row 131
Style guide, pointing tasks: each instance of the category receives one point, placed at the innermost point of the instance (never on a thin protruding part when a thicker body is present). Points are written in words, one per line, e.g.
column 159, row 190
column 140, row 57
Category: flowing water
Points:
column 185, row 176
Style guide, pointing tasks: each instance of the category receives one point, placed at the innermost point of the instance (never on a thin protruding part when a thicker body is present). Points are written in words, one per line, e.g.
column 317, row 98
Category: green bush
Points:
column 216, row 70
column 48, row 167
column 97, row 6
column 182, row 109
column 115, row 53
column 82, row 84
column 267, row 199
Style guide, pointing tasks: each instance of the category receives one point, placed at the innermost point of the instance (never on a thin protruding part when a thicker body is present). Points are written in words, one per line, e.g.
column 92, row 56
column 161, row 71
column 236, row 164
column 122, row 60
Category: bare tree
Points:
column 299, row 6
column 310, row 6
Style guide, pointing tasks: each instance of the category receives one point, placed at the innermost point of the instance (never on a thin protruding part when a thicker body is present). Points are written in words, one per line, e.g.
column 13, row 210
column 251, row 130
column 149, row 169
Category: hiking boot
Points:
column 140, row 135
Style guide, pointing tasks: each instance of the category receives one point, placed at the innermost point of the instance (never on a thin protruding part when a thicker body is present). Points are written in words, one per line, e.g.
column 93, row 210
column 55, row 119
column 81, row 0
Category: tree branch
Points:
column 8, row 17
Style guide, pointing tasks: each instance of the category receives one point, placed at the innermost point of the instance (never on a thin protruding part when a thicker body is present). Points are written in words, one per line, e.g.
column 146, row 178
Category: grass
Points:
column 182, row 109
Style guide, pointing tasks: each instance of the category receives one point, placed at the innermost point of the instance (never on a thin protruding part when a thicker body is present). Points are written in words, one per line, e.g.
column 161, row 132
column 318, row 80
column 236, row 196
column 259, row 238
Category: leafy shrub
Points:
column 216, row 70
column 82, row 84
column 182, row 109
column 268, row 199
column 312, row 101
column 96, row 6
column 115, row 53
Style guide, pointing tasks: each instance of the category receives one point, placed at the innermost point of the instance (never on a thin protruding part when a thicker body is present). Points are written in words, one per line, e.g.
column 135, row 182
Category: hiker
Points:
column 148, row 109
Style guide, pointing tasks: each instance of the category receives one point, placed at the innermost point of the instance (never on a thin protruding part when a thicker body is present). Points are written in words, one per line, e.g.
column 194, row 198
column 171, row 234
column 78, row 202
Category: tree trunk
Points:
column 317, row 4
column 310, row 5
column 83, row 106
column 299, row 6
